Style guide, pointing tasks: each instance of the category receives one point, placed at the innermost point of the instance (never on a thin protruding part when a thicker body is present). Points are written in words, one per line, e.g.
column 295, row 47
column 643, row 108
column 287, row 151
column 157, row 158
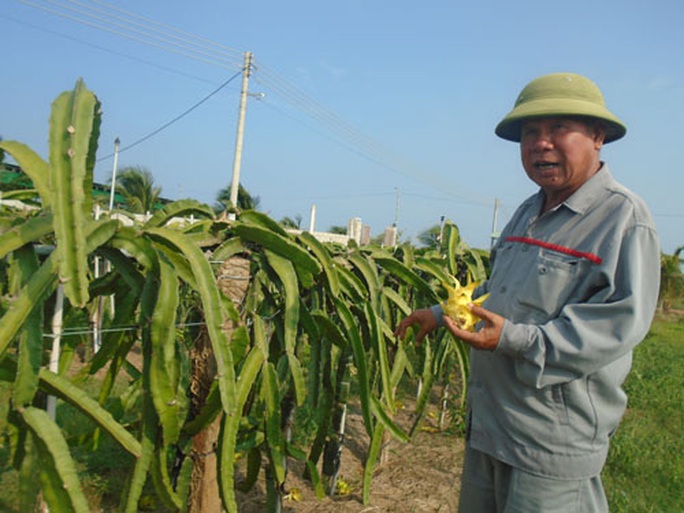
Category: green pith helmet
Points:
column 560, row 94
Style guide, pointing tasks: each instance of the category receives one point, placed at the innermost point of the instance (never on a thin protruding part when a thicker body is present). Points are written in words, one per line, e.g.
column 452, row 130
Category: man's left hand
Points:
column 487, row 337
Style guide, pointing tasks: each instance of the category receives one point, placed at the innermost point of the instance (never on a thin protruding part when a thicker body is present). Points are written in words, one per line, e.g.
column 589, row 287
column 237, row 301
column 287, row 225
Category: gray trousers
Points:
column 491, row 486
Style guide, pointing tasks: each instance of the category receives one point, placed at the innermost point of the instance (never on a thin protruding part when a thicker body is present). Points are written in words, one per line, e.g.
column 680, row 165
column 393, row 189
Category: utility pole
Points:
column 57, row 326
column 442, row 220
column 312, row 221
column 235, row 185
column 113, row 186
column 396, row 208
column 495, row 233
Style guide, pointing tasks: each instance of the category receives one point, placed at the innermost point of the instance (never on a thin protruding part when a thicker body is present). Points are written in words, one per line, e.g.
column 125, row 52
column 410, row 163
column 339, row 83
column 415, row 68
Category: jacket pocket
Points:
column 549, row 283
column 558, row 396
column 581, row 414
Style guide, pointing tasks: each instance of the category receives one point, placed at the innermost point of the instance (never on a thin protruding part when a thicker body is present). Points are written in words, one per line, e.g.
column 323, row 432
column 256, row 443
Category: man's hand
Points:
column 425, row 320
column 487, row 337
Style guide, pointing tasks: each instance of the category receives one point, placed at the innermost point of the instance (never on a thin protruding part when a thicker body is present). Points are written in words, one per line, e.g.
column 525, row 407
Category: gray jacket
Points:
column 578, row 286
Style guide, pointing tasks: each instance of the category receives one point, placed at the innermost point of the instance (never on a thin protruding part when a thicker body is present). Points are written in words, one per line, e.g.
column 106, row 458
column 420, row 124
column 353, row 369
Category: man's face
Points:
column 560, row 153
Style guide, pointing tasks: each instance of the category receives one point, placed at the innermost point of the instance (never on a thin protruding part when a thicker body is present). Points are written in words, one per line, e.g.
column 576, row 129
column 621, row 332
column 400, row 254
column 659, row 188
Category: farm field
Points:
column 645, row 472
column 229, row 356
column 421, row 476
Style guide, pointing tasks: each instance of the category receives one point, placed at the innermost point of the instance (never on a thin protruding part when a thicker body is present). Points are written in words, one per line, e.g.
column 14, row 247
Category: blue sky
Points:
column 379, row 110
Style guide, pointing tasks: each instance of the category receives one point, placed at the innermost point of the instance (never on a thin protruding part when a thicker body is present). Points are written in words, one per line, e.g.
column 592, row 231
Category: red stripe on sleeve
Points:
column 556, row 247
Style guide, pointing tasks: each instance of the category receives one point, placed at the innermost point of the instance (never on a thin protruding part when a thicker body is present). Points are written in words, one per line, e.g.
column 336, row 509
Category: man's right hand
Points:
column 425, row 320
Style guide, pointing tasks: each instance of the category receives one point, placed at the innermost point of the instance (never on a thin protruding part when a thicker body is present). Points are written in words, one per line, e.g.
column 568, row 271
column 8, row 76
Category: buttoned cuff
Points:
column 438, row 312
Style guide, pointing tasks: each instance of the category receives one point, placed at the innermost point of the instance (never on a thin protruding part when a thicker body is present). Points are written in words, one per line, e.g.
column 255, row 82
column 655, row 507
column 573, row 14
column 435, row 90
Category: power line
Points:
column 80, row 331
column 104, row 49
column 185, row 36
column 148, row 32
column 351, row 138
column 102, row 16
column 177, row 118
column 326, row 117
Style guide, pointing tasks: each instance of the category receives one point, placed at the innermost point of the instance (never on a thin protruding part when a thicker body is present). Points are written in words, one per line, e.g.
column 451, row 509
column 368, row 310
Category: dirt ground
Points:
column 420, row 476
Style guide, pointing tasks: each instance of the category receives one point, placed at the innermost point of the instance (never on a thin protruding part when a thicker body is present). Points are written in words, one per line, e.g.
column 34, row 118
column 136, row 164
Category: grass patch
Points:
column 102, row 465
column 645, row 469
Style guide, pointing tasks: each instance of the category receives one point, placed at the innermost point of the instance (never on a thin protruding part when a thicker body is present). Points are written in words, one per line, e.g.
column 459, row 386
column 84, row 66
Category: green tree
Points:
column 245, row 201
column 292, row 222
column 430, row 238
column 340, row 230
column 136, row 185
column 671, row 279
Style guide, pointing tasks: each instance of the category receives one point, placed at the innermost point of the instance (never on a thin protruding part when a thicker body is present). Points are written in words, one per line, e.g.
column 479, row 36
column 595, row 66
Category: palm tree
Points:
column 136, row 185
column 430, row 237
column 292, row 222
column 245, row 201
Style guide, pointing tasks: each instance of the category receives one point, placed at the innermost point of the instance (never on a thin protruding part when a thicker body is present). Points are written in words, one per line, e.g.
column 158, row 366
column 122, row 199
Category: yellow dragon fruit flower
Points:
column 456, row 305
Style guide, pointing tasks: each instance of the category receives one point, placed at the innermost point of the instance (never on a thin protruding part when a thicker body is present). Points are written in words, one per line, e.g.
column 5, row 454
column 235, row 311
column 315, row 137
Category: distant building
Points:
column 365, row 235
column 13, row 178
column 390, row 239
column 354, row 228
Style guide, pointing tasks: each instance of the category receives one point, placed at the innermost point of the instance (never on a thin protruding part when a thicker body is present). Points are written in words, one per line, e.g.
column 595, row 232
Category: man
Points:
column 573, row 288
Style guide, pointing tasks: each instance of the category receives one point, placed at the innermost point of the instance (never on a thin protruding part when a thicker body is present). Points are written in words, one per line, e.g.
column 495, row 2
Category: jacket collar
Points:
column 587, row 195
